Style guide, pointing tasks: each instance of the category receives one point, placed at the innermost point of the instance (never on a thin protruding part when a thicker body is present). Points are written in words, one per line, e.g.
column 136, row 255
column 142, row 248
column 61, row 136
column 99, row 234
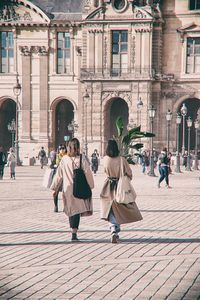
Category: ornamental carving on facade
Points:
column 8, row 14
column 133, row 52
column 105, row 52
column 116, row 94
column 25, row 50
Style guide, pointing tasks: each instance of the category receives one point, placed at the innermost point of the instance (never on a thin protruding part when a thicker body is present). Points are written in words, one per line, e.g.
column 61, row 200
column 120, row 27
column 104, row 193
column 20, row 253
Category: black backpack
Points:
column 81, row 188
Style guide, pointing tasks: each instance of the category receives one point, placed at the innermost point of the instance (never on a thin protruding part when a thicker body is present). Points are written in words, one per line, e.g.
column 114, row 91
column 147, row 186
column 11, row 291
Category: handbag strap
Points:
column 121, row 167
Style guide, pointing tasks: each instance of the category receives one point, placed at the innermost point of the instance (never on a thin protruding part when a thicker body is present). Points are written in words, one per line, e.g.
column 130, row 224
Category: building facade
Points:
column 88, row 62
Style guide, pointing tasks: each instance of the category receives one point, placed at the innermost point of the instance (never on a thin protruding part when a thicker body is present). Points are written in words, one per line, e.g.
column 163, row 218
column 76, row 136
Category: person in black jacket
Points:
column 164, row 168
column 3, row 161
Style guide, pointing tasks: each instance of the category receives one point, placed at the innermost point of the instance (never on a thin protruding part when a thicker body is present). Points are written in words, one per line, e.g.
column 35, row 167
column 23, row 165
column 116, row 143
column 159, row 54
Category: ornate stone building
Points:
column 118, row 51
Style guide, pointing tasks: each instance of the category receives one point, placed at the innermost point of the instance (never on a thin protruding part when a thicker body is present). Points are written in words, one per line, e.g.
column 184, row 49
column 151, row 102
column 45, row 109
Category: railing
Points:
column 111, row 73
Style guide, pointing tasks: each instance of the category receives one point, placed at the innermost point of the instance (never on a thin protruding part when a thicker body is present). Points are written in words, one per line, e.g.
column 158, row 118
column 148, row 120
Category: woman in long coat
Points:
column 73, row 207
column 112, row 211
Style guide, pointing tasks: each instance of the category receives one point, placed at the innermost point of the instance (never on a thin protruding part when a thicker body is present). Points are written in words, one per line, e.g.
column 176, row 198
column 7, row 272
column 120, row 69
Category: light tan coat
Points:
column 64, row 175
column 123, row 213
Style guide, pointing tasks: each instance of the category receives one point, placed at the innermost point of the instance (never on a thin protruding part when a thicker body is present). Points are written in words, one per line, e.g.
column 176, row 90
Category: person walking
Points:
column 111, row 211
column 12, row 163
column 144, row 161
column 54, row 165
column 3, row 162
column 74, row 207
column 164, row 167
column 42, row 157
column 95, row 161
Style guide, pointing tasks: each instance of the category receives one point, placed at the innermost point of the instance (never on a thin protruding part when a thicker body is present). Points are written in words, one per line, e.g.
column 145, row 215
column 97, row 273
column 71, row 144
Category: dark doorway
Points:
column 116, row 108
column 64, row 116
column 193, row 107
column 7, row 114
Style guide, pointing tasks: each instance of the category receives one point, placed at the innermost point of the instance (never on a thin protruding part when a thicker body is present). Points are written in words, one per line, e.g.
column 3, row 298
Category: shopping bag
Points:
column 125, row 192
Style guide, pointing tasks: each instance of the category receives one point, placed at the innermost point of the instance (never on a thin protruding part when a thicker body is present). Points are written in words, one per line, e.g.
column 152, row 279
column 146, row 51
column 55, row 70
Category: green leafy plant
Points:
column 129, row 140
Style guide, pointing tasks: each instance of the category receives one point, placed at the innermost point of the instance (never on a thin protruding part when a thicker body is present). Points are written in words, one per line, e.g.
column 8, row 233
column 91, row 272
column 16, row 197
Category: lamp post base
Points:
column 177, row 169
column 151, row 171
column 188, row 168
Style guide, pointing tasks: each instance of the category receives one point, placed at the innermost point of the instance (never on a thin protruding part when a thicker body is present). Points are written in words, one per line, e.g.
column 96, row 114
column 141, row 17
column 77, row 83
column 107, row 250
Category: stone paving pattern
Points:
column 157, row 258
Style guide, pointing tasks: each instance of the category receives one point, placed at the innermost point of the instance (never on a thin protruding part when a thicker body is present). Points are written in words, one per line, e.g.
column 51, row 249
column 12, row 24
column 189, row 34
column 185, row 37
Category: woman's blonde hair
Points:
column 73, row 147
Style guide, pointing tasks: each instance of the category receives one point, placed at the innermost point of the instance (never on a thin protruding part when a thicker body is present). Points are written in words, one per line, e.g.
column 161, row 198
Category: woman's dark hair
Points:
column 73, row 147
column 112, row 149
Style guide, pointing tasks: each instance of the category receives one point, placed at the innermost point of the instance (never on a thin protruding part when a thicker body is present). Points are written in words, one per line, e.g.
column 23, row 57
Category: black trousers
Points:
column 74, row 221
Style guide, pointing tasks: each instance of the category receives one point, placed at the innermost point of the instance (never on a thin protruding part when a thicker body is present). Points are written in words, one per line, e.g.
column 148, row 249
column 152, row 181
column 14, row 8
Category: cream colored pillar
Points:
column 26, row 92
column 91, row 50
column 99, row 51
column 43, row 128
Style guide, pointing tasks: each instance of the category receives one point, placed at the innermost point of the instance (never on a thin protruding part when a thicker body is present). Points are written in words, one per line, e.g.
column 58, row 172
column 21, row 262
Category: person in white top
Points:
column 12, row 163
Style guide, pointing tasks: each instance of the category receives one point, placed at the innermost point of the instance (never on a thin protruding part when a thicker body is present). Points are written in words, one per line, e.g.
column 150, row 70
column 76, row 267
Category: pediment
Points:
column 131, row 12
column 192, row 27
column 23, row 13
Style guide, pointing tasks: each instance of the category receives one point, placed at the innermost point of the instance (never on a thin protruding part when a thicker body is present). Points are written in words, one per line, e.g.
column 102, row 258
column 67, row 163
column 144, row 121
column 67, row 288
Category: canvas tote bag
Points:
column 125, row 192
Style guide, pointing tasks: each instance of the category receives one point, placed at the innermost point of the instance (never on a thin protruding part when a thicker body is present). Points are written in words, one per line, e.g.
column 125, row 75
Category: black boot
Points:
column 74, row 237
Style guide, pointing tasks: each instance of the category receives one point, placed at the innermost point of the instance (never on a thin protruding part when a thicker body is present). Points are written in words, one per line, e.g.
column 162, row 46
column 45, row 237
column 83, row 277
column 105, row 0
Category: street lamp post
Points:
column 72, row 127
column 12, row 130
column 178, row 122
column 17, row 91
column 183, row 113
column 196, row 125
column 139, row 108
column 168, row 118
column 86, row 98
column 152, row 112
column 189, row 124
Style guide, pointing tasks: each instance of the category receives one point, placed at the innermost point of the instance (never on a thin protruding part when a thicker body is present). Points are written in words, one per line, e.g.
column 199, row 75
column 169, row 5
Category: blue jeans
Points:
column 114, row 226
column 164, row 174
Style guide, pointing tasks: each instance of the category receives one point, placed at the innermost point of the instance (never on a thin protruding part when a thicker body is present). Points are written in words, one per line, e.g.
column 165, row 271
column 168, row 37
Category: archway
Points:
column 7, row 114
column 64, row 114
column 116, row 107
column 193, row 110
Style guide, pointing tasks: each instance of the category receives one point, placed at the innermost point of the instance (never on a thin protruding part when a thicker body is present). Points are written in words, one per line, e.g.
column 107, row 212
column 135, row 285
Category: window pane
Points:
column 124, row 47
column 67, row 54
column 67, row 42
column 189, row 69
column 124, row 36
column 124, row 58
column 60, row 53
column 10, row 53
column 197, row 68
column 198, row 4
column 3, row 53
column 115, row 37
column 10, row 39
column 60, row 35
column 3, row 39
column 115, row 58
column 197, row 60
column 115, row 48
column 60, row 43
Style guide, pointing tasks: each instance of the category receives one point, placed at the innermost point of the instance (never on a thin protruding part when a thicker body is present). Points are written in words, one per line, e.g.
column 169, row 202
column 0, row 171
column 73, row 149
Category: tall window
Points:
column 63, row 53
column 119, row 52
column 194, row 4
column 193, row 55
column 6, row 52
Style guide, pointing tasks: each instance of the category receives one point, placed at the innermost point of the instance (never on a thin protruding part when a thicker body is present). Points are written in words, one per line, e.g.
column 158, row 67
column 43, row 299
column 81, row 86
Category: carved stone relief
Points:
column 28, row 50
column 113, row 94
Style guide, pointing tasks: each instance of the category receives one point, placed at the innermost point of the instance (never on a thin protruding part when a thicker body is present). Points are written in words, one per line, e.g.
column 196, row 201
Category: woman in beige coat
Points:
column 112, row 211
column 73, row 207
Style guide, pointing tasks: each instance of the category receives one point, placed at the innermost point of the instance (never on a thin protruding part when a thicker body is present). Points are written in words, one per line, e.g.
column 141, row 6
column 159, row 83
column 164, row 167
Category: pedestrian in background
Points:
column 95, row 161
column 3, row 162
column 111, row 211
column 42, row 157
column 73, row 207
column 164, row 168
column 12, row 163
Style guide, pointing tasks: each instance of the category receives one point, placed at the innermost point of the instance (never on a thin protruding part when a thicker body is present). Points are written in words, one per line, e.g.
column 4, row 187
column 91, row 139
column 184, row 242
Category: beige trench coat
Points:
column 124, row 213
column 64, row 175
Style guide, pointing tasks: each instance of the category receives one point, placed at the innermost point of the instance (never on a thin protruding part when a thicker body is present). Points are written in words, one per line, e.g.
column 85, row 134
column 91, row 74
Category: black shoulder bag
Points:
column 81, row 188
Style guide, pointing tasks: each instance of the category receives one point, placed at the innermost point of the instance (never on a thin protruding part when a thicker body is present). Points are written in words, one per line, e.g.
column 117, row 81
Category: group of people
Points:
column 116, row 214
column 9, row 160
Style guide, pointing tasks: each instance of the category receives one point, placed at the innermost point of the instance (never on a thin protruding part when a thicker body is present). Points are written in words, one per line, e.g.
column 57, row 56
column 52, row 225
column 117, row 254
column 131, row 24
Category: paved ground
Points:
column 158, row 258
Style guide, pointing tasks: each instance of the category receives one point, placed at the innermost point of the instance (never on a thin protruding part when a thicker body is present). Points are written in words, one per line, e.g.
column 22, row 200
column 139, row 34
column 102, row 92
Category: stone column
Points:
column 43, row 128
column 26, row 93
column 99, row 51
column 72, row 52
column 138, row 51
column 91, row 50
